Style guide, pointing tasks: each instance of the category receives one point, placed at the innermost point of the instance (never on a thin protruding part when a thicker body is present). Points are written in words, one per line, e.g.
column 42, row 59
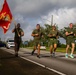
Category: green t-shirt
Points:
column 75, row 31
column 55, row 33
column 18, row 30
column 39, row 32
column 69, row 30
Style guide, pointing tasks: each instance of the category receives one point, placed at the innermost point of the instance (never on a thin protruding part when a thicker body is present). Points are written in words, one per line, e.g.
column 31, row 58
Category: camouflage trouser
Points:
column 17, row 43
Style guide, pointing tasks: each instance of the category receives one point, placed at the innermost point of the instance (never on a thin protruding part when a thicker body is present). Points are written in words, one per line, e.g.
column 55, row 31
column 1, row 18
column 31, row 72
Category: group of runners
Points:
column 53, row 35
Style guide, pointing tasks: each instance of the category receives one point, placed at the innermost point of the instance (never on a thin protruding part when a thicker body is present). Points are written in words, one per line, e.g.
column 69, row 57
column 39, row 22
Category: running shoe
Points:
column 71, row 56
column 53, row 54
column 66, row 55
column 38, row 56
column 32, row 52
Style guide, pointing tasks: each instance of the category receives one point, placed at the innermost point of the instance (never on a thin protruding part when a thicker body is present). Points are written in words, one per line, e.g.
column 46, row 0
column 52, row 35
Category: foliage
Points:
column 45, row 39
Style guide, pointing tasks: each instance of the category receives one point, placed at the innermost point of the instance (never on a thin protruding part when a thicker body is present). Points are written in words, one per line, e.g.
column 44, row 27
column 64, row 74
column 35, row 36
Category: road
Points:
column 59, row 65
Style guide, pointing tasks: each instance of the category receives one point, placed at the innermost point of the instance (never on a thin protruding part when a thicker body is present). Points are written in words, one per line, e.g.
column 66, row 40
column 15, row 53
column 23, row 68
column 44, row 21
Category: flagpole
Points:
column 16, row 27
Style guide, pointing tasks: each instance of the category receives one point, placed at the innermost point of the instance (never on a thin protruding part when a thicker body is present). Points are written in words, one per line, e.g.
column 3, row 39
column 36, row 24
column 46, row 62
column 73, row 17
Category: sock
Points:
column 71, row 53
column 66, row 53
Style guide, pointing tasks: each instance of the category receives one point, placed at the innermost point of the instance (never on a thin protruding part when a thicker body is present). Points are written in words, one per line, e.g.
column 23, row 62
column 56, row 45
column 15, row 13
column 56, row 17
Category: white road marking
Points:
column 43, row 66
column 39, row 64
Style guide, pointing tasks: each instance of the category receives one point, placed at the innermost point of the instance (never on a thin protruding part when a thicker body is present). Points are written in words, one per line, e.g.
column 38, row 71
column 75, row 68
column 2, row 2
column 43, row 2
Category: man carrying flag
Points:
column 5, row 17
column 17, row 38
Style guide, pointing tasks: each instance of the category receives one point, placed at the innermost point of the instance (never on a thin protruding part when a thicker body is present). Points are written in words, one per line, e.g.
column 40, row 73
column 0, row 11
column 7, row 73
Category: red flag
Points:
column 5, row 17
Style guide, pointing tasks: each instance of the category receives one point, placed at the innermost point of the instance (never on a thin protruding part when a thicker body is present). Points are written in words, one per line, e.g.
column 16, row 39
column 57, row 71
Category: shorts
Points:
column 37, row 42
column 70, row 41
column 53, row 41
column 17, row 40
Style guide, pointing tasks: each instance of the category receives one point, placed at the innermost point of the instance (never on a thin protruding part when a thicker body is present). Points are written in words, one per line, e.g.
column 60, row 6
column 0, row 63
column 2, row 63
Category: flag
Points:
column 5, row 17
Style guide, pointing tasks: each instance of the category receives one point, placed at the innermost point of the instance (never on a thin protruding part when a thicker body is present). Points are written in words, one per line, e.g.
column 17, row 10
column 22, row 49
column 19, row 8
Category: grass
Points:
column 47, row 49
column 58, row 49
column 62, row 50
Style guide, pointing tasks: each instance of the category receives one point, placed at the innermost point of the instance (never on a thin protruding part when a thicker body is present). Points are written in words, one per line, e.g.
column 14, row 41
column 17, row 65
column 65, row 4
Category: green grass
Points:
column 47, row 49
column 58, row 49
column 62, row 50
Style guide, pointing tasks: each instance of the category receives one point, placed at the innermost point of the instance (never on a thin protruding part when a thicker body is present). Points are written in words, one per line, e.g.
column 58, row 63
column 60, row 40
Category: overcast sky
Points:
column 31, row 12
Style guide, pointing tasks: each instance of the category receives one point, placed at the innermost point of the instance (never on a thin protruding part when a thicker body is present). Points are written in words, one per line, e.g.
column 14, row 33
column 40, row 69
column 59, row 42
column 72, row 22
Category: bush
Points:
column 63, row 46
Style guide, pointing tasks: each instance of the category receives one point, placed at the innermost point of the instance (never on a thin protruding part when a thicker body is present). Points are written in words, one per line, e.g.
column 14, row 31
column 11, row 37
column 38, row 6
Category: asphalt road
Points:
column 11, row 65
column 58, row 65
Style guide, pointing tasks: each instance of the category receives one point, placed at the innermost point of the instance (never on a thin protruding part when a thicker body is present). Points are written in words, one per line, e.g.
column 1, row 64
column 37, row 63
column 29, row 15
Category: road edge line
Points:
column 43, row 66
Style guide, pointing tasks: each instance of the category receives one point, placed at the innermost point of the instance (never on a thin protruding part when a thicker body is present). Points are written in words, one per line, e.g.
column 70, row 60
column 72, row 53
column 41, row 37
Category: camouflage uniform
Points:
column 37, row 39
column 53, row 39
column 70, row 38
